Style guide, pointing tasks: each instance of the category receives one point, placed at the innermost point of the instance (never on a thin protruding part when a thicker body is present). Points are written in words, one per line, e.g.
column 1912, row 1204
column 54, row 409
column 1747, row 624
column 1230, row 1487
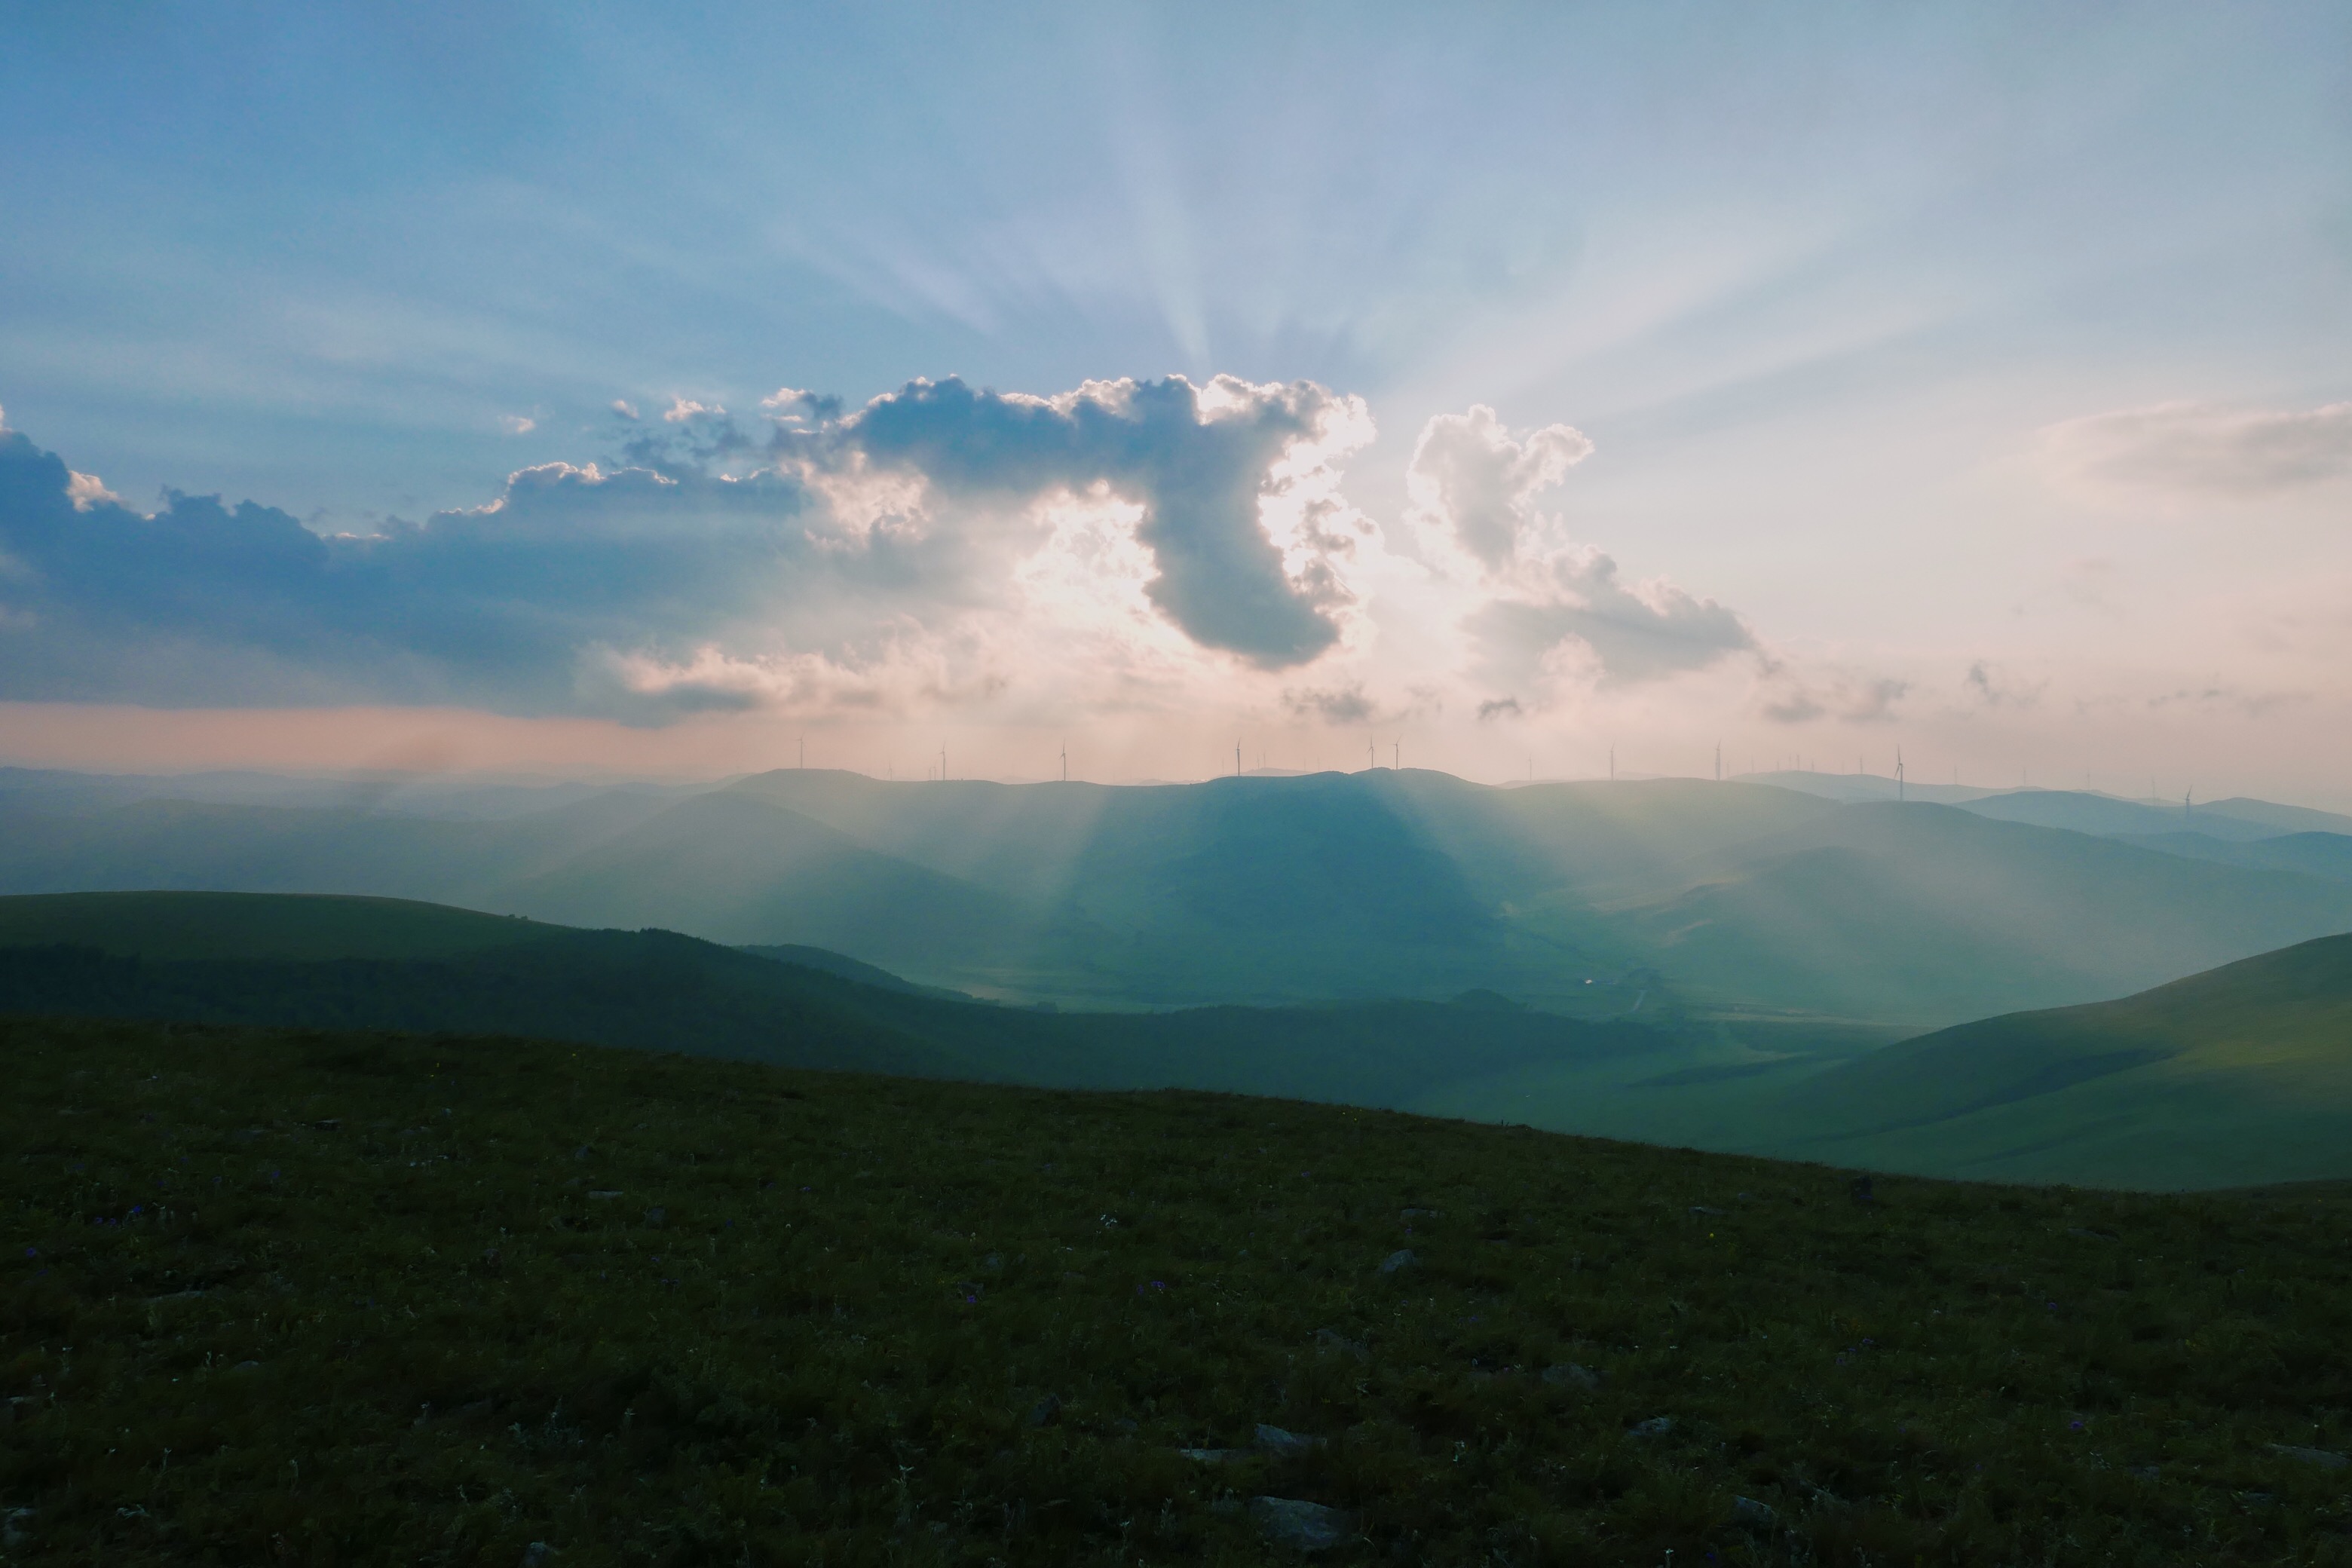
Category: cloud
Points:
column 679, row 411
column 1477, row 484
column 1126, row 544
column 2250, row 704
column 86, row 490
column 1993, row 686
column 2204, row 447
column 626, row 409
column 1554, row 612
column 1500, row 708
column 1851, row 698
column 1576, row 614
column 1236, row 483
column 1345, row 705
column 517, row 424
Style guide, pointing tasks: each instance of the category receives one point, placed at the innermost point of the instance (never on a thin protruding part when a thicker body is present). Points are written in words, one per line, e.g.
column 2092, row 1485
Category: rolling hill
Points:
column 2239, row 1075
column 347, row 963
column 1683, row 898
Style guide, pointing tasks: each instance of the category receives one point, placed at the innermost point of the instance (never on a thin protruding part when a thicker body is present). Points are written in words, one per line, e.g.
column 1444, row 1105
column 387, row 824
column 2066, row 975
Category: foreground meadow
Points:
column 275, row 1296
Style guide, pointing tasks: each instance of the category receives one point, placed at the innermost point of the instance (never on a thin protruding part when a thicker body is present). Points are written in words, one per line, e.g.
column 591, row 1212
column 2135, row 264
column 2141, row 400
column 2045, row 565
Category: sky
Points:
column 688, row 389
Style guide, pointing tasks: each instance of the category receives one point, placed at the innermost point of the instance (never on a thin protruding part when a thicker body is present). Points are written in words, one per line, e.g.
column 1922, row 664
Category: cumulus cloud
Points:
column 626, row 410
column 517, row 424
column 86, row 490
column 2204, row 447
column 679, row 411
column 1236, row 483
column 1553, row 612
column 939, row 545
column 1477, row 484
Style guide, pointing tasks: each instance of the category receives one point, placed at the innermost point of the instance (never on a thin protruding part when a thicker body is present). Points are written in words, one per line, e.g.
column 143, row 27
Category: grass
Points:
column 2239, row 1074
column 274, row 1296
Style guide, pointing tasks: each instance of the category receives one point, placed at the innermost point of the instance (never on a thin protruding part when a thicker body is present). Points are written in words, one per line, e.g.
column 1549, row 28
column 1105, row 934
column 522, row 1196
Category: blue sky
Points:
column 1862, row 311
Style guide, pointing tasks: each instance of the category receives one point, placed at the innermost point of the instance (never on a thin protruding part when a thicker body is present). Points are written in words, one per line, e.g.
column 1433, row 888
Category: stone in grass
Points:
column 1655, row 1427
column 1747, row 1511
column 1570, row 1375
column 1333, row 1340
column 2326, row 1459
column 1284, row 1445
column 1295, row 1522
column 1402, row 1259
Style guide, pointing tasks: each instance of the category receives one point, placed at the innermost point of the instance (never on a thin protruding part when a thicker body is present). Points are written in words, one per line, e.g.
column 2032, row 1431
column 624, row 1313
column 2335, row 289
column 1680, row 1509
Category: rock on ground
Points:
column 1293, row 1522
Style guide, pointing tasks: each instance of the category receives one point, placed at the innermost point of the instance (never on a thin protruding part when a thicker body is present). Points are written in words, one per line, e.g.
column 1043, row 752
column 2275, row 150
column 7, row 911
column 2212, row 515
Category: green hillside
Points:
column 291, row 928
column 357, row 1298
column 113, row 955
column 2244, row 1073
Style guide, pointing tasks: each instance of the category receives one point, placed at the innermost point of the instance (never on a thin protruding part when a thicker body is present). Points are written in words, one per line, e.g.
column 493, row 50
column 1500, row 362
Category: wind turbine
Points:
column 1898, row 774
column 1066, row 762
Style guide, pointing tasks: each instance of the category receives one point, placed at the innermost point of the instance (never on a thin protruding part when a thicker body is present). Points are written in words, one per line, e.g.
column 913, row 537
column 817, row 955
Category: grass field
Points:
column 321, row 1298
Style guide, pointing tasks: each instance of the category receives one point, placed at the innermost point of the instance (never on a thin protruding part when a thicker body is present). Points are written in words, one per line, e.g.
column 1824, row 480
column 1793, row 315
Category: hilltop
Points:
column 362, row 1298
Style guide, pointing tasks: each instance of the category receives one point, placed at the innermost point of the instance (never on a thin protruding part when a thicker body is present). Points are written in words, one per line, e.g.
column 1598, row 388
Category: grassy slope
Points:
column 368, row 967
column 351, row 1298
column 2244, row 1072
column 288, row 927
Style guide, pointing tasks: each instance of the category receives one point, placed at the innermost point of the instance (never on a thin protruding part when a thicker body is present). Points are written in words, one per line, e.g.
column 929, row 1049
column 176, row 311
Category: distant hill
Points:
column 2237, row 1076
column 2083, row 812
column 1682, row 897
column 1877, row 909
column 2327, row 855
